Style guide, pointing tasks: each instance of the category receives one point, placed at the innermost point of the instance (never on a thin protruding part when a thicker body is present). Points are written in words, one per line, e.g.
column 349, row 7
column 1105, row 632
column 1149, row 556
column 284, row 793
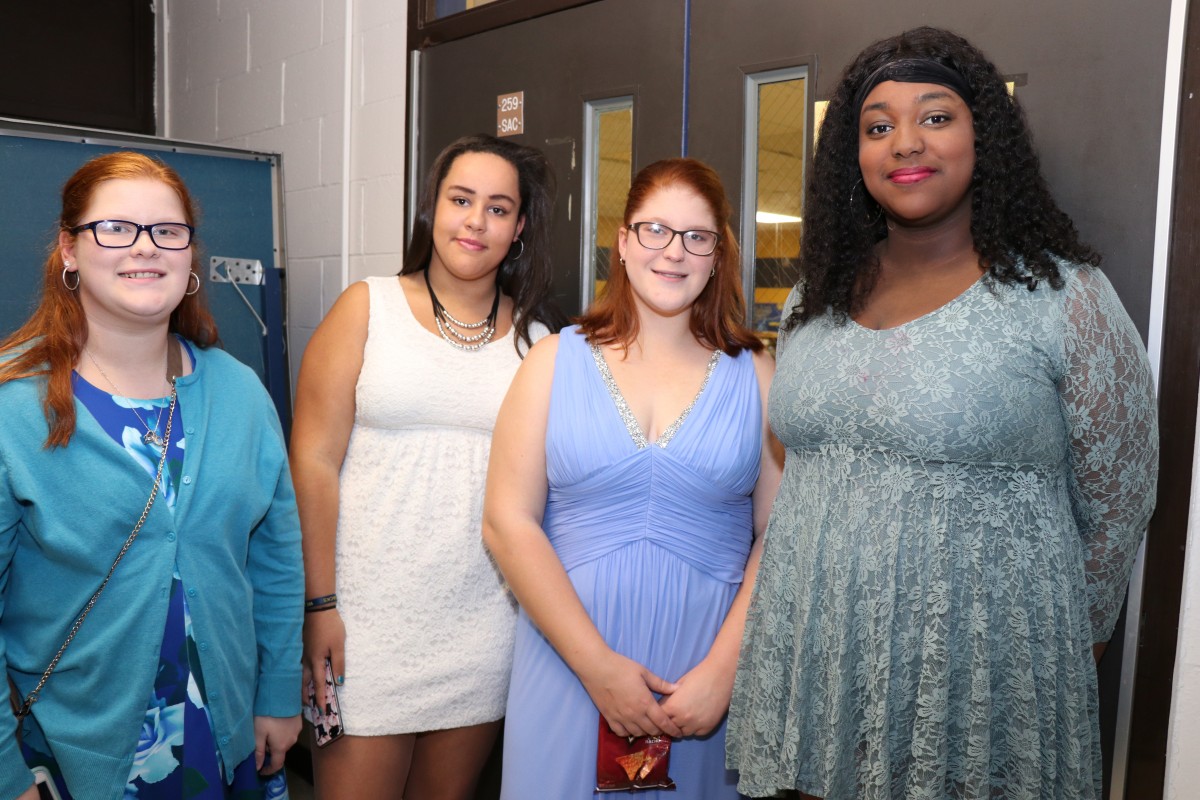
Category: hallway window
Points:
column 608, row 154
column 772, row 216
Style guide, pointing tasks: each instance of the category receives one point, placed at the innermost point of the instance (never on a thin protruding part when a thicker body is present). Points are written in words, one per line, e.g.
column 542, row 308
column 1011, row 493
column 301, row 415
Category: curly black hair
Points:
column 1017, row 227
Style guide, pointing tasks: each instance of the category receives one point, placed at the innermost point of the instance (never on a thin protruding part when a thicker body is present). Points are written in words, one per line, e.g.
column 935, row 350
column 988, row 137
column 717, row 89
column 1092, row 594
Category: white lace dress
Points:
column 429, row 621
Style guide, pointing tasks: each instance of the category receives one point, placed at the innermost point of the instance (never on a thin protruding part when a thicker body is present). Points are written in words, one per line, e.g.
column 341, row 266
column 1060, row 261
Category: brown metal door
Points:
column 1075, row 64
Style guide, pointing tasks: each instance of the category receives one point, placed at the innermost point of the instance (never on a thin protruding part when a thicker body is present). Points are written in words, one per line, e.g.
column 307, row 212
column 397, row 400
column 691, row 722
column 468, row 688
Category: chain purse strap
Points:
column 27, row 706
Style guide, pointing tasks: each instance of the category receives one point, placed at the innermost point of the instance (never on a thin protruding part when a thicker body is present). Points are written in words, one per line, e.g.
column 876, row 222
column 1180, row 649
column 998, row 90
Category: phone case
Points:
column 45, row 784
column 327, row 721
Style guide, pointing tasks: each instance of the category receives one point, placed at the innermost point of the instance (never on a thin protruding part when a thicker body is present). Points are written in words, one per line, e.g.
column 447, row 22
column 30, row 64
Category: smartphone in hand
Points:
column 326, row 721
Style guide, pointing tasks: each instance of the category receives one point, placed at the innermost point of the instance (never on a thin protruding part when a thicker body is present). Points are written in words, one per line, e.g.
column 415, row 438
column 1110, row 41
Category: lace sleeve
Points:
column 794, row 298
column 1108, row 402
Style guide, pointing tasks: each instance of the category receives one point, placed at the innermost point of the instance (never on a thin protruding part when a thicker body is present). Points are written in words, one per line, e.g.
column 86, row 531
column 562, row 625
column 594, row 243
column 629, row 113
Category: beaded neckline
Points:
column 631, row 423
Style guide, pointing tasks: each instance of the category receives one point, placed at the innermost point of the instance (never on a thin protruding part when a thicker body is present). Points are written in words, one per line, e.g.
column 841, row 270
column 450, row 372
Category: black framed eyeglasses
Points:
column 656, row 236
column 123, row 233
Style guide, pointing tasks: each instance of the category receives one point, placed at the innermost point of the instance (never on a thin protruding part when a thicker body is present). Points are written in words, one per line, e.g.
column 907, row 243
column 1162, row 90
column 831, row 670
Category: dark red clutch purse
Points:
column 632, row 763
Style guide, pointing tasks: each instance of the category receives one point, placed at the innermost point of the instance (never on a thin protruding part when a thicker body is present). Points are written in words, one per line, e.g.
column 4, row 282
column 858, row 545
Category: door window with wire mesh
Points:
column 608, row 151
column 777, row 116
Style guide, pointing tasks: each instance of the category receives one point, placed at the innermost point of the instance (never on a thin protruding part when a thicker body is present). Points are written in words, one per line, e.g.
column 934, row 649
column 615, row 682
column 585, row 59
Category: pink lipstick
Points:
column 910, row 175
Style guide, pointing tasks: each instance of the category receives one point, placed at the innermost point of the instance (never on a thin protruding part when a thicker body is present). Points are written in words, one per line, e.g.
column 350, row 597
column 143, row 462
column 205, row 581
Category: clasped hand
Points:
column 700, row 700
column 624, row 691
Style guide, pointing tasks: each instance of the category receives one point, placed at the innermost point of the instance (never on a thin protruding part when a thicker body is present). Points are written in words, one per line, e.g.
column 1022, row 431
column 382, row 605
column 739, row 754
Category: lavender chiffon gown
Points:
column 654, row 537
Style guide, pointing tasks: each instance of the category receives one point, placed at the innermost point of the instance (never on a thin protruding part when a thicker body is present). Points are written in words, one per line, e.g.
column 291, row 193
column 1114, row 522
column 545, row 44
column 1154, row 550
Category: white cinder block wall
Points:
column 271, row 75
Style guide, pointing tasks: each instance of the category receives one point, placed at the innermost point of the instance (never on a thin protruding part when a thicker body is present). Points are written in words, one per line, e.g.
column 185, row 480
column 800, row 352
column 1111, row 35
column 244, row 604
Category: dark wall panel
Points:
column 79, row 62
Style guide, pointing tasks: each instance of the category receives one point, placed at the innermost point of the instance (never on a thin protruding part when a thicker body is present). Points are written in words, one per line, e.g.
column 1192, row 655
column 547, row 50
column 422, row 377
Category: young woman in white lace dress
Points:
column 395, row 404
column 972, row 450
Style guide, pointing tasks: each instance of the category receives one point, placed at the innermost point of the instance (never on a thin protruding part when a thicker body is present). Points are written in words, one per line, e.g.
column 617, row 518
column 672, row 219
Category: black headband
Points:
column 915, row 70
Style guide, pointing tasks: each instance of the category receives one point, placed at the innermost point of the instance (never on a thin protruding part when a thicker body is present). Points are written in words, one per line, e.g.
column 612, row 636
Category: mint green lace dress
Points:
column 961, row 503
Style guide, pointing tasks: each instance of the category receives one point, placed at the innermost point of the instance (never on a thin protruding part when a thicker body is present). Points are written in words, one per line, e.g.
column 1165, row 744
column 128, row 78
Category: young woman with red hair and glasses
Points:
column 631, row 471
column 184, row 678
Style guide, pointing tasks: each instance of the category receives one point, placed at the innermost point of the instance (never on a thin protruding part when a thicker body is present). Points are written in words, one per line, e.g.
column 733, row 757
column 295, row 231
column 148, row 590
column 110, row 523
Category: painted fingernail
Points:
column 340, row 680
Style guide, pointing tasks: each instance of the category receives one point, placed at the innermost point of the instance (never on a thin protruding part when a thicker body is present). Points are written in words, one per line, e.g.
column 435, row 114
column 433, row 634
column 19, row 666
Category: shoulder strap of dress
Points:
column 388, row 301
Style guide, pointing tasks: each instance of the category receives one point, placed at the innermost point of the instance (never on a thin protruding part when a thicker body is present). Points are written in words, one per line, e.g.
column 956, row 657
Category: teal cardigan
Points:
column 234, row 533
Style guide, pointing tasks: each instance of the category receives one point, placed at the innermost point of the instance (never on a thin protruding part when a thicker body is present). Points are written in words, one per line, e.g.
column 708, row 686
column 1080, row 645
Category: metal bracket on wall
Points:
column 239, row 270
column 235, row 270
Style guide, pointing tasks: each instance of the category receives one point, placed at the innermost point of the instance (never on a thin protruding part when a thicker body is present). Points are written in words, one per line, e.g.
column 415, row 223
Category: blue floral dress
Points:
column 177, row 753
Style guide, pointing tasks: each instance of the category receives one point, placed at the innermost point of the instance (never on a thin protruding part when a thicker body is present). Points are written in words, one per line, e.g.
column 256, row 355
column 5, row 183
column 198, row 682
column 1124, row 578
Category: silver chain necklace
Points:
column 448, row 325
column 151, row 436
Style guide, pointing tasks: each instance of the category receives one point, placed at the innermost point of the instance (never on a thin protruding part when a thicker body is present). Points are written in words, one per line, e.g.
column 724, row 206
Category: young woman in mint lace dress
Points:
column 972, row 446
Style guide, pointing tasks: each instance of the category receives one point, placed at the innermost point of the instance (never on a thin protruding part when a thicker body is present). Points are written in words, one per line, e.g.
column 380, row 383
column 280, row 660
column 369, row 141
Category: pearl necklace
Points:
column 151, row 436
column 452, row 328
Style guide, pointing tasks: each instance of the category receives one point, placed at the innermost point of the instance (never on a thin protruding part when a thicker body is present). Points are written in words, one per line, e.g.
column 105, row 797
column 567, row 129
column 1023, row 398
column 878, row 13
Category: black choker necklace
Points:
column 449, row 327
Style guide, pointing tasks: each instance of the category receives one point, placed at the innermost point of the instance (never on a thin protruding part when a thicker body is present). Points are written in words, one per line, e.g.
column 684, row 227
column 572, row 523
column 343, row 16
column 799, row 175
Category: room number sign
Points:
column 510, row 114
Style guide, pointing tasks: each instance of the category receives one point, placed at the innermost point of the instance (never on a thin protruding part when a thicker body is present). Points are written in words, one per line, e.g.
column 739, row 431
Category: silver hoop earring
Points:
column 192, row 275
column 69, row 288
column 520, row 252
column 712, row 273
column 866, row 223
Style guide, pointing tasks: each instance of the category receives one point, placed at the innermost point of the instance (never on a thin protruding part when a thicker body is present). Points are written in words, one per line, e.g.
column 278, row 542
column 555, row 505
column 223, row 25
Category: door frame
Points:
column 1175, row 351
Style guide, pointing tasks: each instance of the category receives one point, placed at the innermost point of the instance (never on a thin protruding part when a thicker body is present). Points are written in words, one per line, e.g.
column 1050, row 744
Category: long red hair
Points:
column 718, row 317
column 52, row 339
